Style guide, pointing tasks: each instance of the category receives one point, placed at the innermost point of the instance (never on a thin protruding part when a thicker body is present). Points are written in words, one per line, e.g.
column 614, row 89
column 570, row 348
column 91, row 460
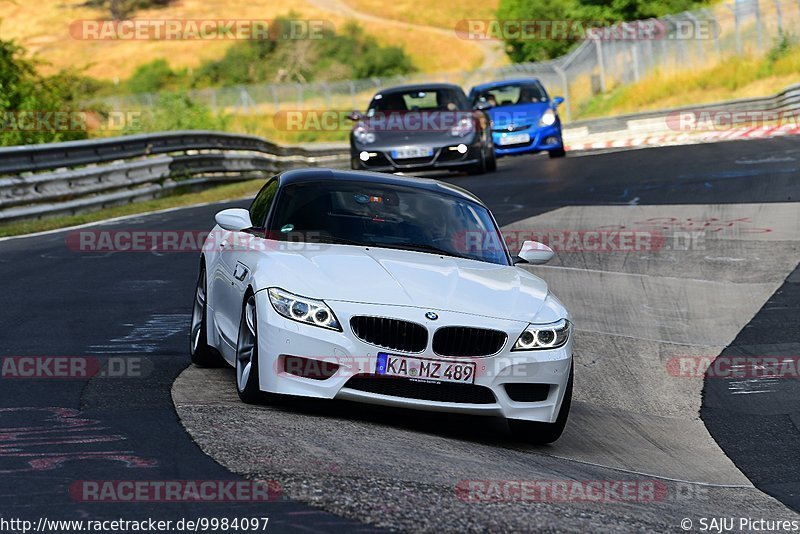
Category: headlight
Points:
column 303, row 310
column 548, row 118
column 465, row 126
column 544, row 336
column 363, row 134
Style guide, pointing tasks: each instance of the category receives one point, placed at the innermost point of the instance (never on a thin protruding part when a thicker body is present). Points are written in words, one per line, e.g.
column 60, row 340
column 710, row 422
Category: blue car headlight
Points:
column 548, row 118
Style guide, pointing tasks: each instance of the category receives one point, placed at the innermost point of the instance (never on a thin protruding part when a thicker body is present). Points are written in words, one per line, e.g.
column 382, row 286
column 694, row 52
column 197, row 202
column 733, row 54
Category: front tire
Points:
column 480, row 167
column 543, row 433
column 247, row 383
column 557, row 152
column 201, row 352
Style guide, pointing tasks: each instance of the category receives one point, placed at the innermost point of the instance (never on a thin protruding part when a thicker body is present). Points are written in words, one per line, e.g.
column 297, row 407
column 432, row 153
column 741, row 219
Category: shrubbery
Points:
column 337, row 56
column 28, row 100
column 580, row 11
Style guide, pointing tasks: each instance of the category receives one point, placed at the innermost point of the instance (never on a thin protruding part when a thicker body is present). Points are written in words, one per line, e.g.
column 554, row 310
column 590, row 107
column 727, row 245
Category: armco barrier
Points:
column 66, row 178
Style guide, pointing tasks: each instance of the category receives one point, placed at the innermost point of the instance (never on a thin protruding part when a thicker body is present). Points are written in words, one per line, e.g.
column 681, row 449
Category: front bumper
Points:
column 540, row 140
column 445, row 157
column 280, row 337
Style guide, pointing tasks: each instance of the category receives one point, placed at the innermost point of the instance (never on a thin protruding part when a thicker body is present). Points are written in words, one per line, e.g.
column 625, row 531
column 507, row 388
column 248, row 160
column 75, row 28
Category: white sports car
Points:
column 383, row 289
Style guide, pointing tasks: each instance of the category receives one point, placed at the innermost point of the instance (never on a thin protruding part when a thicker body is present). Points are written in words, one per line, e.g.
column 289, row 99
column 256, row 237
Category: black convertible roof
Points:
column 327, row 175
column 419, row 87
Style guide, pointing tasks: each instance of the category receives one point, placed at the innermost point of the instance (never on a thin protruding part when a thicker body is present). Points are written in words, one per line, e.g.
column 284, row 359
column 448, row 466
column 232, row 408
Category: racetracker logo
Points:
column 318, row 120
column 563, row 491
column 734, row 367
column 577, row 30
column 69, row 121
column 727, row 120
column 74, row 367
column 166, row 241
column 562, row 240
column 200, row 30
column 174, row 491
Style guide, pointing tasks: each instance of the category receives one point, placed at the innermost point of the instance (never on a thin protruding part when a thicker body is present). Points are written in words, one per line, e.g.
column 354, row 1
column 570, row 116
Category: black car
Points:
column 422, row 127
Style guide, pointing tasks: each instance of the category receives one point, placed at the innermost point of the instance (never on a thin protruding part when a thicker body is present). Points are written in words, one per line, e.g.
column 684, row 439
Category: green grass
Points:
column 214, row 194
column 732, row 78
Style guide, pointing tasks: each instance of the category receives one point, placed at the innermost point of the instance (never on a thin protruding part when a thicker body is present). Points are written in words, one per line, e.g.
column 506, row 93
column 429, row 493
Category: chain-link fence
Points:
column 690, row 40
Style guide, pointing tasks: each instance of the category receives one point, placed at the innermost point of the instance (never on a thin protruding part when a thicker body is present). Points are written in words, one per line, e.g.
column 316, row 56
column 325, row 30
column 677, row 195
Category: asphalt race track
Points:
column 719, row 282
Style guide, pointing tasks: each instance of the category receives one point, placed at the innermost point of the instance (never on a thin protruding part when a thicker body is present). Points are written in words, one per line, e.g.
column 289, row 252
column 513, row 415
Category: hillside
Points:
column 44, row 28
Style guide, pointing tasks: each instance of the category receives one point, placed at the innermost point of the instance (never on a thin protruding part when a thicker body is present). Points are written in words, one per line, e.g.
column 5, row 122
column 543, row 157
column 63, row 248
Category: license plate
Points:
column 406, row 153
column 514, row 139
column 425, row 369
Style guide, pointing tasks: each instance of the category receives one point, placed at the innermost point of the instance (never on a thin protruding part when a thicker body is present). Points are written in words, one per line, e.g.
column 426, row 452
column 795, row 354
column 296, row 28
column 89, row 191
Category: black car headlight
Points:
column 544, row 336
column 464, row 127
column 363, row 134
column 303, row 310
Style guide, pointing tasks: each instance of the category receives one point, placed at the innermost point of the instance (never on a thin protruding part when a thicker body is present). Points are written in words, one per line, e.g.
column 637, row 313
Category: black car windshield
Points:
column 419, row 100
column 387, row 216
column 512, row 94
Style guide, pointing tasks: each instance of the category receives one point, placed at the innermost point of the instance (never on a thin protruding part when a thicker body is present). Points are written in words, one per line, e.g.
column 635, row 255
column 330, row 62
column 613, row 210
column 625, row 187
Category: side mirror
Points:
column 534, row 253
column 482, row 106
column 558, row 100
column 234, row 219
column 355, row 116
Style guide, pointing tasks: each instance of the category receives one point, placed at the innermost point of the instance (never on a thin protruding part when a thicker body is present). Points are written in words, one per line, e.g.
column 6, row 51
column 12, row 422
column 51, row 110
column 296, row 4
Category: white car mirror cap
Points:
column 234, row 219
column 536, row 253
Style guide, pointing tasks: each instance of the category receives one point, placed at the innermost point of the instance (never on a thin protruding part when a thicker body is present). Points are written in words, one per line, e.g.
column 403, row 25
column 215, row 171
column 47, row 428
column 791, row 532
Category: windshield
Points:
column 427, row 100
column 388, row 216
column 512, row 94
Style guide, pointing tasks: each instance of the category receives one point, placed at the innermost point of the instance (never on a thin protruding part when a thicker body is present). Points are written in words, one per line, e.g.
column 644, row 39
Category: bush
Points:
column 336, row 56
column 154, row 77
column 582, row 11
column 176, row 111
column 25, row 95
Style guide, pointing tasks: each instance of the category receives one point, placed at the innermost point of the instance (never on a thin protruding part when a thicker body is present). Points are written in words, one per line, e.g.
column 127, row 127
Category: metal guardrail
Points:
column 664, row 121
column 77, row 176
column 66, row 178
column 786, row 101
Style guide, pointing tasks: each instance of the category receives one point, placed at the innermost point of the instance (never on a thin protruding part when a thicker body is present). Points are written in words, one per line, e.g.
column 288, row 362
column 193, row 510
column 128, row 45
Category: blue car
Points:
column 524, row 119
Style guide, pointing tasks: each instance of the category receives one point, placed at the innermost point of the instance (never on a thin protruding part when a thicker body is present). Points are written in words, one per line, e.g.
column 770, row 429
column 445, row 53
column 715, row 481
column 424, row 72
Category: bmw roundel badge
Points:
column 431, row 316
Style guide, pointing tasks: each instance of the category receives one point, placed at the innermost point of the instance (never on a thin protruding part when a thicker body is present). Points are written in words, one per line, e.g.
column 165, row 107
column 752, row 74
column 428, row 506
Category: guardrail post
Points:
column 565, row 88
column 735, row 9
column 601, row 65
column 275, row 100
column 699, row 43
column 352, row 92
column 759, row 27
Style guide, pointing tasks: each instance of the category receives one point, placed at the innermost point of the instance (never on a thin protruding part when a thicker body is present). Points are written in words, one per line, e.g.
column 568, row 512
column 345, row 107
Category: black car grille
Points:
column 427, row 160
column 392, row 334
column 432, row 391
column 466, row 341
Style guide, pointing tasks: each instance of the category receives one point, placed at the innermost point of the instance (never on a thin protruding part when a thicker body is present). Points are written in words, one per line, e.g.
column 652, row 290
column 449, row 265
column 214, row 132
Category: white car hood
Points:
column 403, row 278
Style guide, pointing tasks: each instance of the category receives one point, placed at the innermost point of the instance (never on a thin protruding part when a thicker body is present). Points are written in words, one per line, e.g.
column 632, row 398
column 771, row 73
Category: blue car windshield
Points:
column 387, row 216
column 511, row 95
